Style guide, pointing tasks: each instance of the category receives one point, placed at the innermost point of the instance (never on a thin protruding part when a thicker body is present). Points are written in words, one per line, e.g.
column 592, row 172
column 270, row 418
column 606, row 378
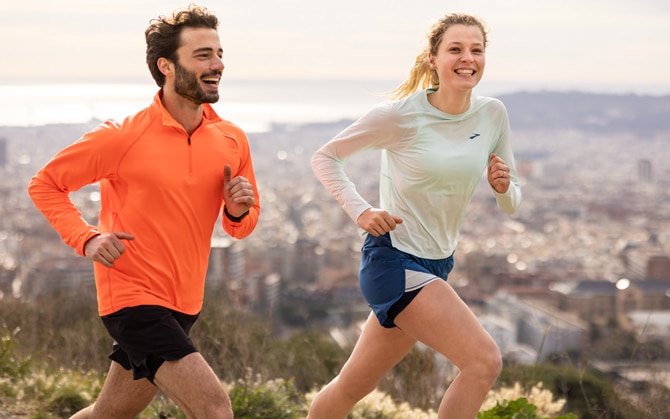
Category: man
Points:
column 166, row 174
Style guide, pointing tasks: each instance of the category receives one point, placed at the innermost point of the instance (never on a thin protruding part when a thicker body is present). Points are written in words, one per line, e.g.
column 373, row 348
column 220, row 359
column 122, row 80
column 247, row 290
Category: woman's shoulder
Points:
column 488, row 104
column 487, row 101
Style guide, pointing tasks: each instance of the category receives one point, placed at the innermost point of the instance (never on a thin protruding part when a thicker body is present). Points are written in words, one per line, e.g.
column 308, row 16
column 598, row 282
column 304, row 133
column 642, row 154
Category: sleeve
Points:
column 85, row 162
column 375, row 130
column 246, row 226
column 510, row 200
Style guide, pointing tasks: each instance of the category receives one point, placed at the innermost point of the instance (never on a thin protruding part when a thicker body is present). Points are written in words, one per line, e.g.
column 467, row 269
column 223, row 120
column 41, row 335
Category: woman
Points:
column 436, row 143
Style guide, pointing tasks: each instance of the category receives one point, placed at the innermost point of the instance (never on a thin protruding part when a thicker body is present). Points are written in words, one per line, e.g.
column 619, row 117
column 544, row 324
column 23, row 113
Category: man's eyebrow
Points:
column 205, row 49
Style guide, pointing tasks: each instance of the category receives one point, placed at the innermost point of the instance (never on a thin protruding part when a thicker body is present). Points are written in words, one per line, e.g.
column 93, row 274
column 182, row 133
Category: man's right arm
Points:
column 56, row 205
column 82, row 163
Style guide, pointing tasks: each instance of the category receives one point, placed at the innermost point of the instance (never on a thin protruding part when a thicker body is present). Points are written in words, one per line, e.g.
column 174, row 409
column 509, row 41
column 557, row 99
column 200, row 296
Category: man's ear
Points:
column 165, row 66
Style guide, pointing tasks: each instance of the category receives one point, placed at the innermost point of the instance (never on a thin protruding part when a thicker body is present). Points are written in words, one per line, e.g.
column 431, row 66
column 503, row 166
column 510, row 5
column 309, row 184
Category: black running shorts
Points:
column 147, row 336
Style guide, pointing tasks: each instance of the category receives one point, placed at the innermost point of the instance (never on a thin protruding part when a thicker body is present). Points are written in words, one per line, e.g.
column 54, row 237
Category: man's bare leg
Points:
column 121, row 396
column 193, row 386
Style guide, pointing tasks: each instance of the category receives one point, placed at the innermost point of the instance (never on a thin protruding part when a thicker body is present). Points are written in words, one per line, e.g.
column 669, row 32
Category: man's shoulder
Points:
column 126, row 130
column 228, row 128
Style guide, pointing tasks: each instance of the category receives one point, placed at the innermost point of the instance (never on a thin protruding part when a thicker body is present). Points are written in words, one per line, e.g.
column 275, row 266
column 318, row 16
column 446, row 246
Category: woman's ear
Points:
column 431, row 61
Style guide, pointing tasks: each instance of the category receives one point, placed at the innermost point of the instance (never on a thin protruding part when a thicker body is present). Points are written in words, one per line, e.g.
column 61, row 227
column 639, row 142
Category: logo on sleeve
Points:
column 474, row 135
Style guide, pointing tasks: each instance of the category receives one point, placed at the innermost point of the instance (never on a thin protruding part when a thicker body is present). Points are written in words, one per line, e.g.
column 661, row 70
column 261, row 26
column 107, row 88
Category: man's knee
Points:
column 215, row 407
column 112, row 410
column 120, row 405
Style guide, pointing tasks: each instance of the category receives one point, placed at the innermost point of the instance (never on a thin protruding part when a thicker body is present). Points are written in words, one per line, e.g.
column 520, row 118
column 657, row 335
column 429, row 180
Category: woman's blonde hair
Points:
column 421, row 73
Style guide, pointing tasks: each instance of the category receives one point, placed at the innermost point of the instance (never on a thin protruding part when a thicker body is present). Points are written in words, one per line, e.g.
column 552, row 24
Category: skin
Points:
column 189, row 382
column 437, row 316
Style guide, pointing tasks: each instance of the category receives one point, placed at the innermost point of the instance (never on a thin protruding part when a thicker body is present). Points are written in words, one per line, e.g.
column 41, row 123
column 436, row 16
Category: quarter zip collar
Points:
column 208, row 114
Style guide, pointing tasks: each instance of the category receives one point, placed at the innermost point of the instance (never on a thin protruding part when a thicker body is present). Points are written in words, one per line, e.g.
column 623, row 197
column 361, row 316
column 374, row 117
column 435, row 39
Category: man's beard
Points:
column 186, row 84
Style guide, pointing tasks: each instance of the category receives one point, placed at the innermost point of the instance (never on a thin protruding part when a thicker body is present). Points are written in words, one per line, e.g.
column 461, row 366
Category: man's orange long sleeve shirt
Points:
column 159, row 184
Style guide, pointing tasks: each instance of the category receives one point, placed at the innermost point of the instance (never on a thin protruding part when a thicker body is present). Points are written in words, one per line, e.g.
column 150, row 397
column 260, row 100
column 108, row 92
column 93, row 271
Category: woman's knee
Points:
column 495, row 362
column 486, row 363
column 355, row 390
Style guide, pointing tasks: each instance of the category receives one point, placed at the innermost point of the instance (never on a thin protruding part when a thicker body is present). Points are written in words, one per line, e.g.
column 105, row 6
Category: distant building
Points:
column 306, row 262
column 539, row 330
column 271, row 289
column 645, row 170
column 658, row 268
column 483, row 271
column 591, row 300
column 644, row 295
column 227, row 267
column 7, row 277
column 648, row 264
column 3, row 152
column 652, row 325
column 58, row 273
column 602, row 302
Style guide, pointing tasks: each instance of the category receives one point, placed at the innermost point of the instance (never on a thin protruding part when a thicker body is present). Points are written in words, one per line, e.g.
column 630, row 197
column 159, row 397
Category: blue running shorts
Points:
column 390, row 278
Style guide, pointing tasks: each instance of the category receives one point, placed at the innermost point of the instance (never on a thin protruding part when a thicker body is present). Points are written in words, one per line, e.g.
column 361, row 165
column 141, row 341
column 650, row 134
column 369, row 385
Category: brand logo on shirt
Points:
column 474, row 135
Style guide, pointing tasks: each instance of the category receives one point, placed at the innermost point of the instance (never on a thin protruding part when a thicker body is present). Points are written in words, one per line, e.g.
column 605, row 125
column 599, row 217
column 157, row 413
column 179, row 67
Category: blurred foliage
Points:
column 517, row 409
column 588, row 393
column 277, row 399
column 53, row 359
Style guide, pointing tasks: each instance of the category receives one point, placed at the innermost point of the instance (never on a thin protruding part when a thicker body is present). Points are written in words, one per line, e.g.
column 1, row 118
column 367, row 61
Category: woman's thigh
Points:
column 440, row 319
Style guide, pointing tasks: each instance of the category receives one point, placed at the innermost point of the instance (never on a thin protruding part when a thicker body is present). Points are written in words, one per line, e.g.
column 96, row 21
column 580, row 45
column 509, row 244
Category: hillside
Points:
column 588, row 112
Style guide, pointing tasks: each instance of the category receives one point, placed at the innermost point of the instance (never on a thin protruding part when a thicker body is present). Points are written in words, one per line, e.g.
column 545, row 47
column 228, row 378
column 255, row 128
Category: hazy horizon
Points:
column 253, row 104
column 644, row 87
column 497, row 86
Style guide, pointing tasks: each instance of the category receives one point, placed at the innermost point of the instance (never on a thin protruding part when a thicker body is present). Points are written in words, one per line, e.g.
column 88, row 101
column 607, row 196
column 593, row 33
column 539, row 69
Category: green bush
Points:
column 416, row 379
column 516, row 409
column 588, row 394
column 11, row 365
column 306, row 358
column 276, row 399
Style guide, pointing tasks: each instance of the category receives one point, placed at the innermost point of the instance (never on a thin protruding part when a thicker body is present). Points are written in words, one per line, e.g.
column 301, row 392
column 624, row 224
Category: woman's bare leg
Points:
column 439, row 318
column 378, row 349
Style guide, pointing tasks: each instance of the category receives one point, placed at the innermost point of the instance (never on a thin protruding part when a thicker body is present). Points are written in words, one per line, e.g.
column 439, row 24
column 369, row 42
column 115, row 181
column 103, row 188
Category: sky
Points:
column 621, row 45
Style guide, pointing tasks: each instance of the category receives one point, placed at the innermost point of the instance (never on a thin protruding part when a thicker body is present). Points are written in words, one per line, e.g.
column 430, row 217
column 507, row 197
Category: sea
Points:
column 254, row 105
